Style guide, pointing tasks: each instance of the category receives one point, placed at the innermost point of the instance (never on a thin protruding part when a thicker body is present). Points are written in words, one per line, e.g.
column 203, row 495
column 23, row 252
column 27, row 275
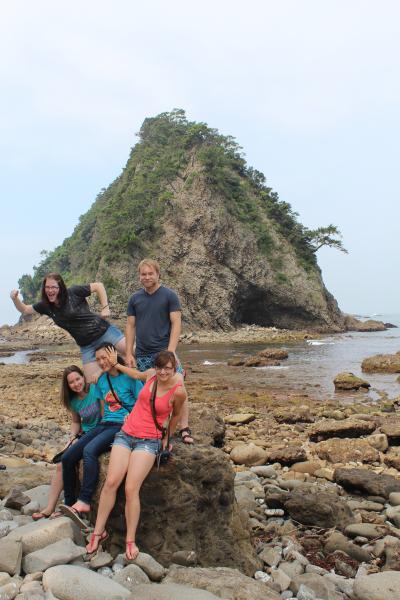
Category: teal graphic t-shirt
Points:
column 126, row 391
column 88, row 408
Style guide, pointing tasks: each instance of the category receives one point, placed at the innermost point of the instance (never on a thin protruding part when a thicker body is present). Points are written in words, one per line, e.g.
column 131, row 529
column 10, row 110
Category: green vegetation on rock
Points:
column 175, row 156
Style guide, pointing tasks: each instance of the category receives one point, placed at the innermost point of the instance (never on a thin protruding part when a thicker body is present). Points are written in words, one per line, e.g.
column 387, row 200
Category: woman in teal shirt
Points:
column 81, row 399
column 117, row 393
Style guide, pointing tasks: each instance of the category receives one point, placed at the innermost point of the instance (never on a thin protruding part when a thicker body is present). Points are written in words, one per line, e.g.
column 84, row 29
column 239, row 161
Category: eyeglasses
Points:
column 51, row 287
column 164, row 369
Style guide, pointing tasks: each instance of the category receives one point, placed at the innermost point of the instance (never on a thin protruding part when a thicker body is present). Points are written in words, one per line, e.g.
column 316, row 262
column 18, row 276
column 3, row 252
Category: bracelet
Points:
column 105, row 306
column 114, row 365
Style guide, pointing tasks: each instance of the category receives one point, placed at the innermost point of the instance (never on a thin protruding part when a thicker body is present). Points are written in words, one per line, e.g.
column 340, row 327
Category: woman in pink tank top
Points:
column 136, row 446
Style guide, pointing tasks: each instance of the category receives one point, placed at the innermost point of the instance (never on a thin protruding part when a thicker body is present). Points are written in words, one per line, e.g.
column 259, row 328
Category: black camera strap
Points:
column 127, row 408
column 165, row 431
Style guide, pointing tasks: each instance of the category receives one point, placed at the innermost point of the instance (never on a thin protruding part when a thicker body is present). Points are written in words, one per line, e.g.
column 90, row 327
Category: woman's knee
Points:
column 111, row 483
column 131, row 491
column 90, row 453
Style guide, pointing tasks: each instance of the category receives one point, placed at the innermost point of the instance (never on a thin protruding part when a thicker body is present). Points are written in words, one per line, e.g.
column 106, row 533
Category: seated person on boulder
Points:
column 118, row 394
column 136, row 446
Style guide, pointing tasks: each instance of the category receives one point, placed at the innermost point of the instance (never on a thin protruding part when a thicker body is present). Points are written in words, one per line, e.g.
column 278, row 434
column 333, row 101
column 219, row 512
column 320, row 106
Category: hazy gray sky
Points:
column 310, row 90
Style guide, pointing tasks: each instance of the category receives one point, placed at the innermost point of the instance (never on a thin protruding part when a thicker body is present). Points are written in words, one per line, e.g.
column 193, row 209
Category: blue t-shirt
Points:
column 126, row 389
column 152, row 320
column 88, row 409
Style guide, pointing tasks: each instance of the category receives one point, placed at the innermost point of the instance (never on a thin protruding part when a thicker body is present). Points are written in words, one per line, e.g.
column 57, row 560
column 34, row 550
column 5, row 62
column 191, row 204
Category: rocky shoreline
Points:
column 316, row 485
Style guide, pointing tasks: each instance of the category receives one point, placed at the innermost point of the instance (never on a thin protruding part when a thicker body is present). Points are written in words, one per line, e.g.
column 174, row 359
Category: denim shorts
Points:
column 113, row 335
column 134, row 444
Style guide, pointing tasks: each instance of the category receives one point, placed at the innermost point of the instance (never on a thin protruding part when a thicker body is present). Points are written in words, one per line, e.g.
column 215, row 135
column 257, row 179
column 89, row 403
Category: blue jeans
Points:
column 89, row 447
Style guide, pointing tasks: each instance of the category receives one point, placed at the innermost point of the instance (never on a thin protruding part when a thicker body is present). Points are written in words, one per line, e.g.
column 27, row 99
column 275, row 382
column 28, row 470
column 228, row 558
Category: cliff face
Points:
column 233, row 252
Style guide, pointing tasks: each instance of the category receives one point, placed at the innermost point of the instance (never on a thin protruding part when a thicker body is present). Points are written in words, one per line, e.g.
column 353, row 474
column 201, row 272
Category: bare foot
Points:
column 81, row 507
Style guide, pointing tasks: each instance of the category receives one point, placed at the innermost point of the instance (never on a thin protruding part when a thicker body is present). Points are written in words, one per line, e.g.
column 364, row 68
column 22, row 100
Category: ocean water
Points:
column 313, row 364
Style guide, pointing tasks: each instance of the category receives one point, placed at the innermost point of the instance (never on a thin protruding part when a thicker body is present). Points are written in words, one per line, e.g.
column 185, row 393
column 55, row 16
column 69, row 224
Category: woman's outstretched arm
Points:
column 25, row 309
column 98, row 288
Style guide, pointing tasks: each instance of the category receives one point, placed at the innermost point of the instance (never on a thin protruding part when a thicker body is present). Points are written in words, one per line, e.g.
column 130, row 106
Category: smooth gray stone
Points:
column 4, row 578
column 394, row 498
column 30, row 508
column 367, row 530
column 10, row 590
column 39, row 494
column 265, row 471
column 322, row 588
column 245, row 498
column 150, row 566
column 6, row 515
column 131, row 576
column 378, row 586
column 170, row 591
column 101, row 559
column 59, row 553
column 10, row 556
column 37, row 535
column 68, row 582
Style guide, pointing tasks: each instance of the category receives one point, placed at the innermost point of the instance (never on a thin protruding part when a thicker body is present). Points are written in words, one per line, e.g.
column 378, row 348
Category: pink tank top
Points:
column 140, row 422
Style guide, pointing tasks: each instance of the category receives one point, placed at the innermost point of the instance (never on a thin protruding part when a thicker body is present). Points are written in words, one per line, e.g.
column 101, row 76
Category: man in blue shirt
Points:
column 154, row 323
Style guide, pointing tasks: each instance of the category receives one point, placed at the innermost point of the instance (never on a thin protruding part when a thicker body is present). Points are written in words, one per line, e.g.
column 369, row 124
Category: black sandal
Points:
column 186, row 433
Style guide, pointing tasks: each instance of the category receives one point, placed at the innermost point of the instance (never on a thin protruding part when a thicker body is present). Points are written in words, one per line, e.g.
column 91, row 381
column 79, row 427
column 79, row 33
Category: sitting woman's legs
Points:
column 97, row 446
column 117, row 468
column 140, row 464
column 70, row 459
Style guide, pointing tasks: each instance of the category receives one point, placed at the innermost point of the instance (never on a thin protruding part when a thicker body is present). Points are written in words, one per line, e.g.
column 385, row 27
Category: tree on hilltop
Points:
column 325, row 236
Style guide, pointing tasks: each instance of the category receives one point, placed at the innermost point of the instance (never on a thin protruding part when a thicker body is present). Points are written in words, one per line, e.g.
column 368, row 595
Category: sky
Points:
column 309, row 89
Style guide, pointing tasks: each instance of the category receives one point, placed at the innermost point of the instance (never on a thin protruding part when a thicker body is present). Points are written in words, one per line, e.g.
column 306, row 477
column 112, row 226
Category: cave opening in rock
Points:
column 253, row 307
column 257, row 306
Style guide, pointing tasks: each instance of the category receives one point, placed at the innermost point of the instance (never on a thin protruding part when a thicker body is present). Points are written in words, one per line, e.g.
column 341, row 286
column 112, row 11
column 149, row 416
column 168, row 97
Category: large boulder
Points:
column 338, row 450
column 188, row 504
column 367, row 482
column 353, row 324
column 223, row 582
column 382, row 363
column 170, row 591
column 391, row 428
column 37, row 535
column 23, row 473
column 286, row 455
column 248, row 454
column 318, row 508
column 348, row 428
column 69, row 582
column 377, row 586
column 348, row 381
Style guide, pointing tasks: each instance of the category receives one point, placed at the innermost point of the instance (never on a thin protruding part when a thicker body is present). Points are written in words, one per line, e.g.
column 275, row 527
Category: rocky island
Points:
column 285, row 494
